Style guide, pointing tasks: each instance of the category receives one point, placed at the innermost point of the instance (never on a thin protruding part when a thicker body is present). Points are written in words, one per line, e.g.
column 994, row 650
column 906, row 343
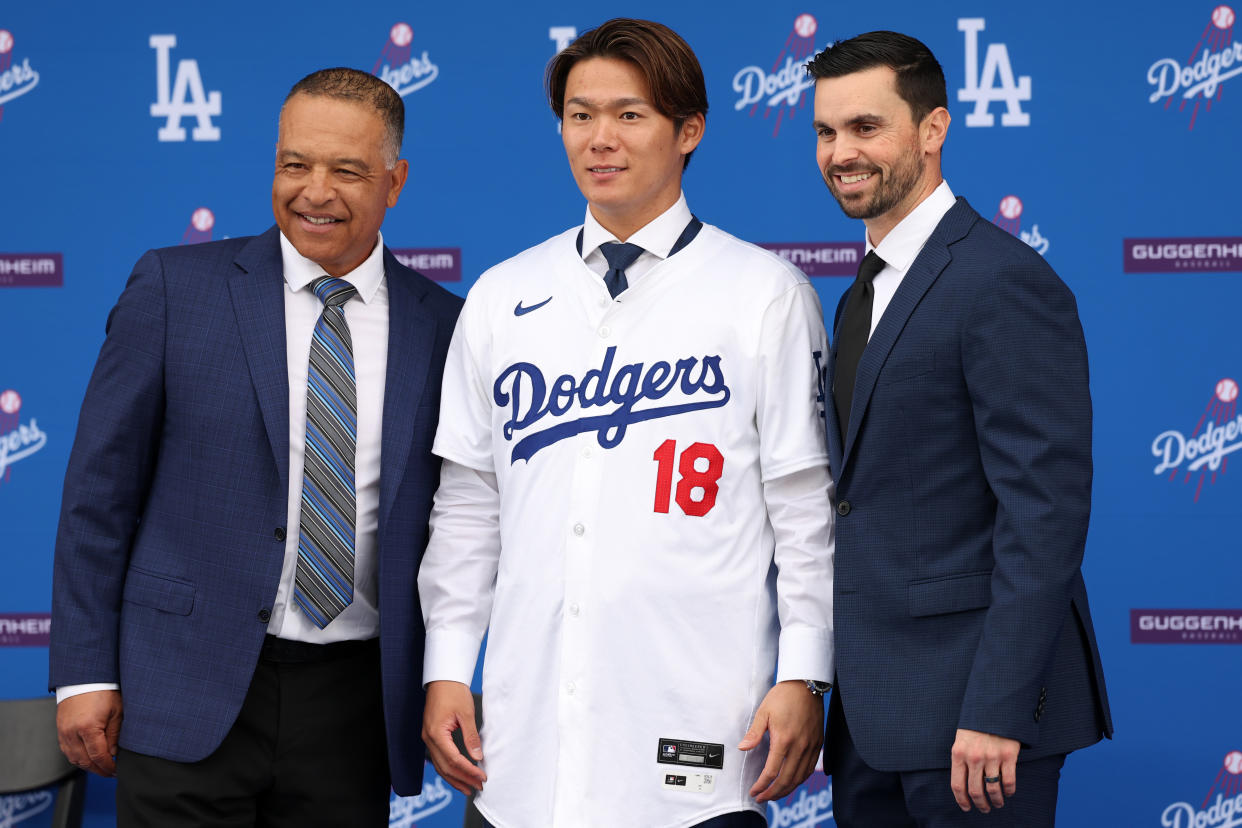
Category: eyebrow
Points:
column 865, row 118
column 616, row 102
column 342, row 161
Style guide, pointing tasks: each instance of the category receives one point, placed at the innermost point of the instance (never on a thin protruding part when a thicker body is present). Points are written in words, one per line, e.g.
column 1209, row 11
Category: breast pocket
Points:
column 905, row 368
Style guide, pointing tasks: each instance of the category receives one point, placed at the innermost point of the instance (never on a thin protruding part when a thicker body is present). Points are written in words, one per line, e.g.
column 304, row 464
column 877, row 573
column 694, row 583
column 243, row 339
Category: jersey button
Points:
column 579, row 529
column 573, row 610
column 586, row 453
column 843, row 508
column 570, row 689
column 605, row 332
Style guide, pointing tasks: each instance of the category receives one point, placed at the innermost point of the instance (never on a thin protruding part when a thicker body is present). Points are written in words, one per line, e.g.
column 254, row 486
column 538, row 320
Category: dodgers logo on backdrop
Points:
column 15, row 81
column 1215, row 58
column 1182, row 626
column 408, row 811
column 202, row 220
column 1205, row 452
column 183, row 96
column 21, row 807
column 1221, row 808
column 784, row 85
column 1009, row 218
column 808, row 806
column 18, row 440
column 695, row 383
column 399, row 67
column 995, row 83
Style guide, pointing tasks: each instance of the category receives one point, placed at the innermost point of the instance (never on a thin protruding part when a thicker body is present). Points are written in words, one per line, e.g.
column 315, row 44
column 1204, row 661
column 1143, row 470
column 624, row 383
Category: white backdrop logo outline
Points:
column 981, row 85
column 183, row 96
column 15, row 81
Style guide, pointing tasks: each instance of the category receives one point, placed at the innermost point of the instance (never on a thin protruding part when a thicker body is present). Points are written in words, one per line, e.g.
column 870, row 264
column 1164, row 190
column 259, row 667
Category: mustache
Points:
column 850, row 169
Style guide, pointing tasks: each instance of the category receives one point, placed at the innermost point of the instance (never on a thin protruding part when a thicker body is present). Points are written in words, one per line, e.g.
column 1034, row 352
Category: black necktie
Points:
column 852, row 338
column 619, row 256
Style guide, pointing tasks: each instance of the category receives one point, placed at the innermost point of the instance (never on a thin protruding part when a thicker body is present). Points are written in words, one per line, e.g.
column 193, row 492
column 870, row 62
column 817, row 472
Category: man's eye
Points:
column 629, row 116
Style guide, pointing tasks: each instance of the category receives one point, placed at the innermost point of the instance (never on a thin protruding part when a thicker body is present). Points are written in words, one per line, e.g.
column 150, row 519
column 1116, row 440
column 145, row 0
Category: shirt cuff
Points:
column 805, row 653
column 449, row 656
column 71, row 690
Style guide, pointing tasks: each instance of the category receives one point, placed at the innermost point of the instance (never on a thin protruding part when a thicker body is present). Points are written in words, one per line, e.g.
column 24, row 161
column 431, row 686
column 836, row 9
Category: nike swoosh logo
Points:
column 519, row 310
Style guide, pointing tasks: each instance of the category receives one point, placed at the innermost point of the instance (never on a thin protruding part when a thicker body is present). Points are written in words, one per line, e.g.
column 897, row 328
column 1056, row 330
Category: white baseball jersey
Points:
column 637, row 610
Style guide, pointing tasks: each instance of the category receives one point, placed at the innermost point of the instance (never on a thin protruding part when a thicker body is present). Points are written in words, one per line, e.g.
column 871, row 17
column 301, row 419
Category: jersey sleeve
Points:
column 793, row 351
column 464, row 434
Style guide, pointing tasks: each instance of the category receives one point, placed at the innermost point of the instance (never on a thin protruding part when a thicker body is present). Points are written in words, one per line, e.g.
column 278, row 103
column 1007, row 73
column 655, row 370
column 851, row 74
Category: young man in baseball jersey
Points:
column 635, row 490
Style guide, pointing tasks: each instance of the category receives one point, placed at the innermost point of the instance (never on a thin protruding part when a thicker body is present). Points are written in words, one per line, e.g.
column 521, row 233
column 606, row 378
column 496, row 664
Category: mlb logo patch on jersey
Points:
column 694, row 754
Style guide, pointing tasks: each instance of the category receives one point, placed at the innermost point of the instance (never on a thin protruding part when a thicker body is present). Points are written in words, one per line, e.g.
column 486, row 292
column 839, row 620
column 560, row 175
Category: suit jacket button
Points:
column 265, row 615
column 843, row 508
column 280, row 533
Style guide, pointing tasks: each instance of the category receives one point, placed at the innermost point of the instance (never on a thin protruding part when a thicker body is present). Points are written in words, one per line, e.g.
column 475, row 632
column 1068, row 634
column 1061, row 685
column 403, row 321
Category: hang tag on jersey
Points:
column 692, row 754
column 691, row 782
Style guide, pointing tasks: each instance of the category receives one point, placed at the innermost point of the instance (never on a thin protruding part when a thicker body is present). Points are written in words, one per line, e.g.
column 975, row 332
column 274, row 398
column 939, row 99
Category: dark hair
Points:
column 920, row 80
column 348, row 84
column 666, row 62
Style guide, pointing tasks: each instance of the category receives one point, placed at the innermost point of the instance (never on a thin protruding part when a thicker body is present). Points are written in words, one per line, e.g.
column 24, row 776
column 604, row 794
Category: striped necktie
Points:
column 324, row 583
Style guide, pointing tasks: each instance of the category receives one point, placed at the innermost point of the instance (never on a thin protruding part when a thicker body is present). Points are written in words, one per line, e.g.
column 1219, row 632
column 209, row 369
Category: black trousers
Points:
column 307, row 749
column 863, row 797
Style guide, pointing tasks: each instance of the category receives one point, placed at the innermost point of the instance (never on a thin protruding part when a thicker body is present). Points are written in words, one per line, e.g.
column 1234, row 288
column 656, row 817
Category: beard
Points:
column 892, row 190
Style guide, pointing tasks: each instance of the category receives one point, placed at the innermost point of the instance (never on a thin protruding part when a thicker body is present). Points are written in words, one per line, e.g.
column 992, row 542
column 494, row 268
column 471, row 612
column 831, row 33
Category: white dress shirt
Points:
column 367, row 315
column 903, row 244
column 656, row 238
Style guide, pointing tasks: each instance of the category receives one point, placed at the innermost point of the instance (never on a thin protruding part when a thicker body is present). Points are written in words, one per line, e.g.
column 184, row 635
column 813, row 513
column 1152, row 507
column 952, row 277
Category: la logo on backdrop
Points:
column 1203, row 455
column 995, row 82
column 1215, row 58
column 15, row 81
column 182, row 96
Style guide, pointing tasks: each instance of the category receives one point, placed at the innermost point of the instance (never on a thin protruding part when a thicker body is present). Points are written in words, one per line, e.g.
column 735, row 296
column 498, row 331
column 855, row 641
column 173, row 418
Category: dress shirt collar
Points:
column 656, row 237
column 903, row 243
column 301, row 271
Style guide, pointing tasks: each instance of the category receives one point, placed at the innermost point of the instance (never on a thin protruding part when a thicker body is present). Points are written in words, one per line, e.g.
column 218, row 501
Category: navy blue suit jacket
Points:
column 171, row 530
column 963, row 489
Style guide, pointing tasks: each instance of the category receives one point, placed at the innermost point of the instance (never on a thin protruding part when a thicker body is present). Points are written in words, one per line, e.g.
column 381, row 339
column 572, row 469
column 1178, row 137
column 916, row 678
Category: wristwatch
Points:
column 818, row 688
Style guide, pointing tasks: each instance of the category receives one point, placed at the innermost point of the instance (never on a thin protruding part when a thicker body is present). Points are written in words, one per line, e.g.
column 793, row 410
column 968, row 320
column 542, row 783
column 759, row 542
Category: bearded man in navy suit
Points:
column 189, row 640
column 960, row 442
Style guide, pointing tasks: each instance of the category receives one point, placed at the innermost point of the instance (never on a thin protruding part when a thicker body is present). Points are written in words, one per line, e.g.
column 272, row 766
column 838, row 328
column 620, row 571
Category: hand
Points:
column 793, row 717
column 450, row 706
column 87, row 726
column 976, row 755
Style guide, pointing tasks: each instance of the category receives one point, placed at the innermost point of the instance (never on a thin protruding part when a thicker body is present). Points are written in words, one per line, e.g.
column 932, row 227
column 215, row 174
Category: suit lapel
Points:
column 257, row 291
column 411, row 341
column 927, row 267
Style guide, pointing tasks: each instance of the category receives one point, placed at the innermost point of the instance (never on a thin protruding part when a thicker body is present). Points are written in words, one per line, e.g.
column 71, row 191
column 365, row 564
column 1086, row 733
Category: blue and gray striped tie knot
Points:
column 324, row 582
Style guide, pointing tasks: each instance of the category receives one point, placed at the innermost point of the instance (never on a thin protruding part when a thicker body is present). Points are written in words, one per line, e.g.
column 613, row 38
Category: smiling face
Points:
column 331, row 187
column 877, row 162
column 626, row 156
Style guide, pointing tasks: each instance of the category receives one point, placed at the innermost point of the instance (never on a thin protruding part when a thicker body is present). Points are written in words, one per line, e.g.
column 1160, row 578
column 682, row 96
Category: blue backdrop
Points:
column 1106, row 136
